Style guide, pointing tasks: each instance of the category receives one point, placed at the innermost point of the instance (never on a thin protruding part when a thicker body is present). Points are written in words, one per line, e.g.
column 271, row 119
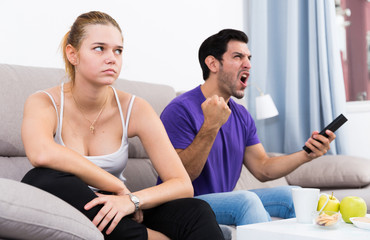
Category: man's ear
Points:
column 72, row 54
column 212, row 63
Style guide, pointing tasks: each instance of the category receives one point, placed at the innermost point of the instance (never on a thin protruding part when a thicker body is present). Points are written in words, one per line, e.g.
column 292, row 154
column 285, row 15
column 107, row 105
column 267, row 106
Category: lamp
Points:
column 265, row 106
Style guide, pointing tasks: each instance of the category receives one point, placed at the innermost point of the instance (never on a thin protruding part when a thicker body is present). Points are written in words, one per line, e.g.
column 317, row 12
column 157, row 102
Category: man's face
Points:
column 234, row 69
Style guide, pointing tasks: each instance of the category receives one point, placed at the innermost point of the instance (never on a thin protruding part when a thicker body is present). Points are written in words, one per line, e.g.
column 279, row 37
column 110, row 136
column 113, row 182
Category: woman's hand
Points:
column 114, row 209
column 138, row 216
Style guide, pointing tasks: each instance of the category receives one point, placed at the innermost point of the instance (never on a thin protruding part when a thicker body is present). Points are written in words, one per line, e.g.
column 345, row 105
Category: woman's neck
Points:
column 89, row 98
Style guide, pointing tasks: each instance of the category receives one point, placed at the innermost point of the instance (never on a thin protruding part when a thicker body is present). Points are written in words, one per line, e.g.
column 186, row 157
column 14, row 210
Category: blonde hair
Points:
column 77, row 33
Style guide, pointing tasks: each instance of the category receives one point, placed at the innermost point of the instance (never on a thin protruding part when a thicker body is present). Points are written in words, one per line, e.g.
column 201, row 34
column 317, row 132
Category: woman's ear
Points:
column 72, row 55
column 212, row 63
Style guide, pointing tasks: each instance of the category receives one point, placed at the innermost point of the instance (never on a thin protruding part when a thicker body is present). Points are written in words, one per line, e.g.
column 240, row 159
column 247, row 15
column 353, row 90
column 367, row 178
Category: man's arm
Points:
column 265, row 168
column 216, row 112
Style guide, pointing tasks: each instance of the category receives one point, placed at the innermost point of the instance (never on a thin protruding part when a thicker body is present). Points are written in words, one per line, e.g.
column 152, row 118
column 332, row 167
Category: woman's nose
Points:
column 110, row 58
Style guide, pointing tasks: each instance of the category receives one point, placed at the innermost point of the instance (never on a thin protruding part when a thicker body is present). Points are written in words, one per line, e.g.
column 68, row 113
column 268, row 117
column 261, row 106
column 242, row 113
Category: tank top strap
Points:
column 129, row 111
column 52, row 100
column 124, row 124
column 60, row 125
column 58, row 137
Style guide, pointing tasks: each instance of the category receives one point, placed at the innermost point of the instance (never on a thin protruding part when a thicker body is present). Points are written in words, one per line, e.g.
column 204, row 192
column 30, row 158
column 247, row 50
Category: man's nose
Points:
column 247, row 64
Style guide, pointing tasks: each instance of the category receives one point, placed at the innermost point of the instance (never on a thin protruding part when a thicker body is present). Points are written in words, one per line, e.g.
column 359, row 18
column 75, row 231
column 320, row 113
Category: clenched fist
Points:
column 215, row 111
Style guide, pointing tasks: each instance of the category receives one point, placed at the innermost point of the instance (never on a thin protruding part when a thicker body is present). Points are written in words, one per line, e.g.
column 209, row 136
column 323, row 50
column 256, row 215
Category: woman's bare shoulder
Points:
column 125, row 98
column 43, row 96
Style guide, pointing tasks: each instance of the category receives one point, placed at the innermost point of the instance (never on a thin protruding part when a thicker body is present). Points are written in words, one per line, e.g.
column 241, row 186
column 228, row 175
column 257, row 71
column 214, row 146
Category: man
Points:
column 214, row 137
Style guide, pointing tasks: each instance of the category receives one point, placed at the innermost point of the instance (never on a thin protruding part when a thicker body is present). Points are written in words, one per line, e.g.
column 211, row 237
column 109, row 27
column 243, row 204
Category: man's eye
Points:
column 99, row 49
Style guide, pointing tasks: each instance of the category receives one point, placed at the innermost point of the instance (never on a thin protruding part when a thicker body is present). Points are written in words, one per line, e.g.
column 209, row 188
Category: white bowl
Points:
column 361, row 222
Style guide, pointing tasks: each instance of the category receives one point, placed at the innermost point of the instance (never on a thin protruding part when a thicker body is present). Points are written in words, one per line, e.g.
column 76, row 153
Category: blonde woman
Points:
column 76, row 135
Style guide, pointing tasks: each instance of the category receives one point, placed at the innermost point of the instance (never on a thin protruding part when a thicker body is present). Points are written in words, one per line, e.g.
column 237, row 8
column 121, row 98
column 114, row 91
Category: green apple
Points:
column 332, row 205
column 352, row 207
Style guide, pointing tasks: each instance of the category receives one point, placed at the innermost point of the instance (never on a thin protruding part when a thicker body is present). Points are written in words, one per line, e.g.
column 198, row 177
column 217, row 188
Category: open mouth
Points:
column 243, row 78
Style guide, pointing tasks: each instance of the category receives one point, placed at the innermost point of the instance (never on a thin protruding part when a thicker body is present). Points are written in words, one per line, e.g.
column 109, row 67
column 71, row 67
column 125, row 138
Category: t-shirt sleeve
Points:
column 253, row 137
column 250, row 128
column 179, row 125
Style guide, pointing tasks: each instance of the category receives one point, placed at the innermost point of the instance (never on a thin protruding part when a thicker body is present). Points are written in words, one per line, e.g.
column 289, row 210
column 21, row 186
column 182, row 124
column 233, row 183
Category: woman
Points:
column 76, row 135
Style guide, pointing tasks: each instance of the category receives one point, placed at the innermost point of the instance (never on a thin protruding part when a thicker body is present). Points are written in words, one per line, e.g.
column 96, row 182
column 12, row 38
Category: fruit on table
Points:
column 332, row 205
column 352, row 207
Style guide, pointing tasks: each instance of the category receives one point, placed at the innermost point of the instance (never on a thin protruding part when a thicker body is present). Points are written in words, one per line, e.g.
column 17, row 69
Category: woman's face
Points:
column 99, row 58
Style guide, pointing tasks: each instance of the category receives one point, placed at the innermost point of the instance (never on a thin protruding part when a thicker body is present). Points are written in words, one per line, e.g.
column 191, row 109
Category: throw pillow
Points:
column 332, row 171
column 31, row 213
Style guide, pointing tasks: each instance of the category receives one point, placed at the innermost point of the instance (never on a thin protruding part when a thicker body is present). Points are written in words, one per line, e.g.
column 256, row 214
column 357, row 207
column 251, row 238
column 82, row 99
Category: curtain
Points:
column 296, row 60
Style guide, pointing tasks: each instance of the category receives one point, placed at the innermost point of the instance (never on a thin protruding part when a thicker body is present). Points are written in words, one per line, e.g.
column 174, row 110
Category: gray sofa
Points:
column 30, row 213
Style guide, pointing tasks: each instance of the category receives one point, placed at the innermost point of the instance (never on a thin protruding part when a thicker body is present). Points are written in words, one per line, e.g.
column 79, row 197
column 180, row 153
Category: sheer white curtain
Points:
column 295, row 58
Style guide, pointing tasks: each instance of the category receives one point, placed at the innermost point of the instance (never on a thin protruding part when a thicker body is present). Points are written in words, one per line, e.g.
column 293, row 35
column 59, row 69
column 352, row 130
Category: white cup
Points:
column 305, row 203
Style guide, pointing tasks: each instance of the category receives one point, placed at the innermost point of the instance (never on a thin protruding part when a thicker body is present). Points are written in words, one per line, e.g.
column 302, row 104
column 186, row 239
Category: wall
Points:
column 162, row 37
column 358, row 128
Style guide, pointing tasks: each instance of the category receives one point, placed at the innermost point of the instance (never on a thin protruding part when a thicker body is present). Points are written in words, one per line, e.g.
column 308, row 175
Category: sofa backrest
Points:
column 19, row 82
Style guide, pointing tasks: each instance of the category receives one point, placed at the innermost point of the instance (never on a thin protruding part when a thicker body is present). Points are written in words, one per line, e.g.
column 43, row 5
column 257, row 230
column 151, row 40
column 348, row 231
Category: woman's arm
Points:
column 146, row 124
column 38, row 128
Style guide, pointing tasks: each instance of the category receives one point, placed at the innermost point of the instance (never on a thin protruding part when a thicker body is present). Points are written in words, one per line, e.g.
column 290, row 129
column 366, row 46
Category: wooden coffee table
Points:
column 290, row 229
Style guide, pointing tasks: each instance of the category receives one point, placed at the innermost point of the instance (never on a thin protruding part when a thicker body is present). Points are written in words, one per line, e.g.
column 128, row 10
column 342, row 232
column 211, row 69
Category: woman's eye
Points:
column 118, row 51
column 99, row 49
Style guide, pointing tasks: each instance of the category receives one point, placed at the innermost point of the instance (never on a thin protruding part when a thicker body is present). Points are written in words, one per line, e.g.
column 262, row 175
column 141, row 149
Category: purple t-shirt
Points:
column 183, row 118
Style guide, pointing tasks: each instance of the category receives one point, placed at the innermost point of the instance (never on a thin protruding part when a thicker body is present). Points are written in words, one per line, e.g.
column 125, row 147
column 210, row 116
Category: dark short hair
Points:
column 216, row 46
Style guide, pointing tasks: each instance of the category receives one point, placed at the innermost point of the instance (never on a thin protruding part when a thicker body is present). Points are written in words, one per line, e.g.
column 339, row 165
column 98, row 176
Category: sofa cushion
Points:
column 139, row 174
column 18, row 82
column 30, row 213
column 136, row 149
column 14, row 167
column 332, row 171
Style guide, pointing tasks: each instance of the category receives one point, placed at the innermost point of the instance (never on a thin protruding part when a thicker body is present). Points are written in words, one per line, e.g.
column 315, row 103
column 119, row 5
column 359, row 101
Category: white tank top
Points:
column 113, row 163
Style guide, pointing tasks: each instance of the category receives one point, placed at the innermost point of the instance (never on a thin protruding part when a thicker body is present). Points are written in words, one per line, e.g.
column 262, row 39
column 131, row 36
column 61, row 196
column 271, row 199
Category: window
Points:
column 353, row 18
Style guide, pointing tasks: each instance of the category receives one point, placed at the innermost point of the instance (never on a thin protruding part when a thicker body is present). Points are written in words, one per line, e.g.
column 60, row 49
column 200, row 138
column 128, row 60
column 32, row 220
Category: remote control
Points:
column 333, row 126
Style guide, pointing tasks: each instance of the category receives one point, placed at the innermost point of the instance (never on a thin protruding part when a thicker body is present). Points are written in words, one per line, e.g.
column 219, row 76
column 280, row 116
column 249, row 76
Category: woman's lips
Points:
column 110, row 71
